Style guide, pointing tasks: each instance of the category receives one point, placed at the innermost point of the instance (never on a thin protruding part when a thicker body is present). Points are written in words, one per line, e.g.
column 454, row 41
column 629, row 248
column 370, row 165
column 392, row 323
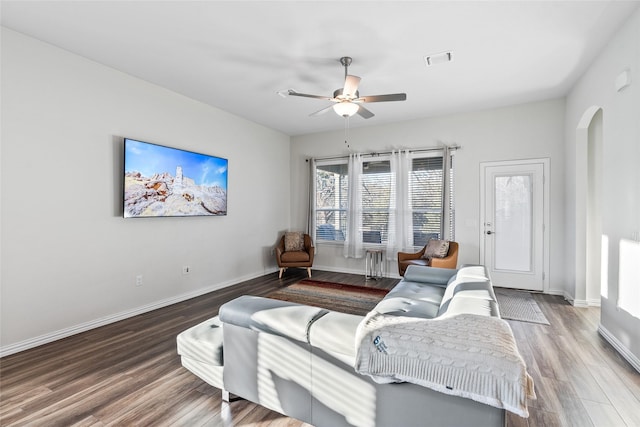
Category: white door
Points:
column 513, row 215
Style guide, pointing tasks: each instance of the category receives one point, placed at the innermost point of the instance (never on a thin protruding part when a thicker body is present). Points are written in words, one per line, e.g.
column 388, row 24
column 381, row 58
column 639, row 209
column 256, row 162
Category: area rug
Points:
column 519, row 305
column 340, row 297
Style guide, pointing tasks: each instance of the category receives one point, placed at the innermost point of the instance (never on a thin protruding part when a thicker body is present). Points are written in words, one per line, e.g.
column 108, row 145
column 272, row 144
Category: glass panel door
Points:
column 513, row 222
column 512, row 243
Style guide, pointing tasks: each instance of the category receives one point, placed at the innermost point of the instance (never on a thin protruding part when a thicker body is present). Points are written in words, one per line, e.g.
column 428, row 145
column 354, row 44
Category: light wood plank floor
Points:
column 128, row 373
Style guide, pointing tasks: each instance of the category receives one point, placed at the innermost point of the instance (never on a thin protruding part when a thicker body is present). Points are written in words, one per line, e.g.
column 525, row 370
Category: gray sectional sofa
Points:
column 334, row 369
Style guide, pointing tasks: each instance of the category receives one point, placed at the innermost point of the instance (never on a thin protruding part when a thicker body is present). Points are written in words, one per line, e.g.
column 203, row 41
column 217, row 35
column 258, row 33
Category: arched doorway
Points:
column 588, row 232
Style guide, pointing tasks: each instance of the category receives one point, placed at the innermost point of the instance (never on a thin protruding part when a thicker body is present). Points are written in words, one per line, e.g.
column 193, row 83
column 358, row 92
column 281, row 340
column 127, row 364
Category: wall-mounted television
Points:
column 163, row 181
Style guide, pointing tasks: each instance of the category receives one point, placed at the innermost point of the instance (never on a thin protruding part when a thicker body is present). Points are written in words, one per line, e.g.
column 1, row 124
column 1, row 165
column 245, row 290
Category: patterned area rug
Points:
column 350, row 299
column 519, row 305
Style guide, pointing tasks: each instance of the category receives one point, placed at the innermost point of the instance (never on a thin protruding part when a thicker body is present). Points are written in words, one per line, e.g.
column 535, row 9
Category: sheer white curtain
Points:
column 353, row 239
column 311, row 208
column 400, row 231
column 448, row 231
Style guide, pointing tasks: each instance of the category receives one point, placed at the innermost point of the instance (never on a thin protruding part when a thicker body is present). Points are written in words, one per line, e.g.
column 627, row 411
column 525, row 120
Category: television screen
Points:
column 163, row 181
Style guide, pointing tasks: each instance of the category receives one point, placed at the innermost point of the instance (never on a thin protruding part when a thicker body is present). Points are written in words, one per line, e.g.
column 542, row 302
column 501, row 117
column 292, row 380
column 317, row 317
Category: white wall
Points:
column 620, row 209
column 69, row 259
column 520, row 132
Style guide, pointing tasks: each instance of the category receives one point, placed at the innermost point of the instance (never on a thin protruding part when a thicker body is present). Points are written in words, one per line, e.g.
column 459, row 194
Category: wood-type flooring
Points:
column 128, row 373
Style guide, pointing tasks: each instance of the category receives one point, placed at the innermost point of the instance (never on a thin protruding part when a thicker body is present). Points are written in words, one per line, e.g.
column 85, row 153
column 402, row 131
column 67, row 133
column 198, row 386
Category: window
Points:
column 376, row 196
column 331, row 200
column 426, row 188
column 429, row 201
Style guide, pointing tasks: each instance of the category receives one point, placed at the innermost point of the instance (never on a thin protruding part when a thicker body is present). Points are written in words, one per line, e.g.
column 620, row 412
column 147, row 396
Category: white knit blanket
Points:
column 467, row 355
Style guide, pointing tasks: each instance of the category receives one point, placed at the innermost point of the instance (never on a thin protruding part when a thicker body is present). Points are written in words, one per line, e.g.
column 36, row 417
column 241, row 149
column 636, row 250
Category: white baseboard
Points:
column 581, row 303
column 92, row 324
column 594, row 302
column 624, row 352
column 574, row 302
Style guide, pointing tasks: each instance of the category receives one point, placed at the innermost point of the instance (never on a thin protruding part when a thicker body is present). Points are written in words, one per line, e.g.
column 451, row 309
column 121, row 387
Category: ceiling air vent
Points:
column 438, row 58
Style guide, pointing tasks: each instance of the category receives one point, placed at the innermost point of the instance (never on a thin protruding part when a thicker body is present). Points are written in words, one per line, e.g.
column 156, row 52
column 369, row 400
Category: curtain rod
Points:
column 384, row 153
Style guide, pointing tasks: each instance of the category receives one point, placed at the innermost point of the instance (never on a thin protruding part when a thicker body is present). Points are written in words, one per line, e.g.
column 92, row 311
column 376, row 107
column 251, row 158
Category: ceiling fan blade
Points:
column 384, row 98
column 351, row 85
column 364, row 113
column 306, row 95
column 322, row 111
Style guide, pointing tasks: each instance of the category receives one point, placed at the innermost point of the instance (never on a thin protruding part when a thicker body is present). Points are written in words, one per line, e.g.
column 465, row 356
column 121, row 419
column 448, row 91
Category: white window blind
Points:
column 430, row 200
column 376, row 194
column 451, row 214
column 426, row 187
column 331, row 200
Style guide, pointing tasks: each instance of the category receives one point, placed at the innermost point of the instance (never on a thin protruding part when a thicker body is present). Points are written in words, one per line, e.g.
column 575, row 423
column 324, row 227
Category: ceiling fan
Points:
column 347, row 100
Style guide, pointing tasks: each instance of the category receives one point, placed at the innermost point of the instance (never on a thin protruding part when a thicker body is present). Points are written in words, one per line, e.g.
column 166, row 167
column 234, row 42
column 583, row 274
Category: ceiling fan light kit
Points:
column 346, row 108
column 347, row 100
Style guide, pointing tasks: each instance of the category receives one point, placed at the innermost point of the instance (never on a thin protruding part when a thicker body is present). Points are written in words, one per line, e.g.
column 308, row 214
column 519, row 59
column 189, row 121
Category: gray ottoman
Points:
column 200, row 348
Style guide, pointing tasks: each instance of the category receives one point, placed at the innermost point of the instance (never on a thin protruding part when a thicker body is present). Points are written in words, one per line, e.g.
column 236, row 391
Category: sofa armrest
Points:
column 432, row 275
column 279, row 250
column 450, row 261
column 447, row 262
column 273, row 316
column 406, row 256
column 308, row 244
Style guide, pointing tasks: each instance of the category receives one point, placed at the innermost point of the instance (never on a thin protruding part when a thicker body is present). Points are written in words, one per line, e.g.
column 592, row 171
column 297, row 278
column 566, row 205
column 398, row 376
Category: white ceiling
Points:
column 236, row 55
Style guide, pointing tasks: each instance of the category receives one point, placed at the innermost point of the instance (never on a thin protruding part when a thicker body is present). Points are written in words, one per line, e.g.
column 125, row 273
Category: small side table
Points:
column 373, row 260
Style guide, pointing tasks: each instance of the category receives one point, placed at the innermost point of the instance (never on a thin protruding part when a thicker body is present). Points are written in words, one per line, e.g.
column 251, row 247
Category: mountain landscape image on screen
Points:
column 156, row 182
column 167, row 195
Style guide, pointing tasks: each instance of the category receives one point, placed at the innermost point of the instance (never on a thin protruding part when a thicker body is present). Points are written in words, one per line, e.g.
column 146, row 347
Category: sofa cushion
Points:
column 473, row 272
column 277, row 317
column 408, row 307
column 418, row 291
column 203, row 342
column 295, row 256
column 431, row 275
column 412, row 299
column 293, row 241
column 470, row 305
column 335, row 334
column 467, row 288
column 436, row 249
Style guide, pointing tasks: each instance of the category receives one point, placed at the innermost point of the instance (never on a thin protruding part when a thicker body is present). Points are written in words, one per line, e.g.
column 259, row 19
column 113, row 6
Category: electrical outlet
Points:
column 186, row 269
column 139, row 280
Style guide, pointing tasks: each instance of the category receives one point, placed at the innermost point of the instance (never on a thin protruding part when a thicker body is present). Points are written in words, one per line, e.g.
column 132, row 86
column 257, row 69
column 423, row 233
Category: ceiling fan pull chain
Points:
column 346, row 131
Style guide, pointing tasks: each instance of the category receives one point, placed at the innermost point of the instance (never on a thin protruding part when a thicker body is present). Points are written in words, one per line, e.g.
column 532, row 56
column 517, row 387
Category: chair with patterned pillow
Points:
column 295, row 249
column 436, row 253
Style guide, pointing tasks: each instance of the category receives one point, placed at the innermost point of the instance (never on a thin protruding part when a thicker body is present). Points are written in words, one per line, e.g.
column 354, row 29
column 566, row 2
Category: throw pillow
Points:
column 293, row 241
column 436, row 249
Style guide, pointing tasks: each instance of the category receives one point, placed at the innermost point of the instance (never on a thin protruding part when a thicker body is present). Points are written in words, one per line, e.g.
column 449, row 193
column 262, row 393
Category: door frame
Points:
column 546, row 255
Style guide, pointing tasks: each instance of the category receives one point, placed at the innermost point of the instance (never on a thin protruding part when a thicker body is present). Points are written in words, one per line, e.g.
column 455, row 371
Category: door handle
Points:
column 489, row 232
